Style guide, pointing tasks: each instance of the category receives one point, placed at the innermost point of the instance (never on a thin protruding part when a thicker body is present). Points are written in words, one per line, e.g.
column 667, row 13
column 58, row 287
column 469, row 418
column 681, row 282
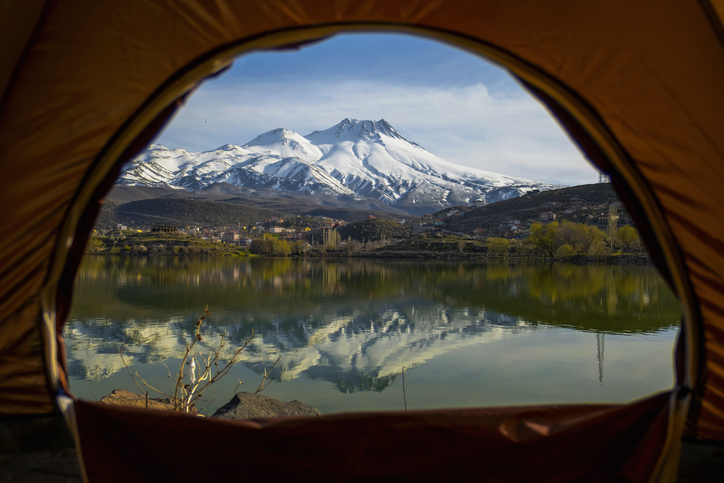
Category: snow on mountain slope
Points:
column 365, row 158
column 285, row 143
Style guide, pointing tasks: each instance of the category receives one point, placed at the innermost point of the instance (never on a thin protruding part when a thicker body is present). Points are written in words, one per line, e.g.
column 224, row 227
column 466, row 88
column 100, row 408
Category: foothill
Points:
column 582, row 223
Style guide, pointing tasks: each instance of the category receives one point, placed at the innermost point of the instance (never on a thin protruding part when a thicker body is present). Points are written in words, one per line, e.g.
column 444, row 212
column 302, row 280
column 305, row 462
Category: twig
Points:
column 150, row 386
column 140, row 389
column 219, row 372
column 237, row 386
column 169, row 370
column 404, row 383
column 266, row 374
column 120, row 353
column 189, row 348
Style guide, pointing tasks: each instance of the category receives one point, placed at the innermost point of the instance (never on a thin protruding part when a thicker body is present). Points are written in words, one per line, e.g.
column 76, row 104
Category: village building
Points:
column 230, row 237
column 163, row 229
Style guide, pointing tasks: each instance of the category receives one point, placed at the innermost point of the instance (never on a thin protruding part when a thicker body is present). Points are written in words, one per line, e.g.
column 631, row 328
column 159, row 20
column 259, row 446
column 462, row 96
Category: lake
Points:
column 367, row 334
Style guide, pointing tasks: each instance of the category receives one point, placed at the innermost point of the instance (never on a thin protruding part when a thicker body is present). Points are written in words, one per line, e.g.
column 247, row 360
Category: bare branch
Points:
column 237, row 386
column 266, row 373
column 120, row 353
column 167, row 369
column 185, row 396
column 150, row 386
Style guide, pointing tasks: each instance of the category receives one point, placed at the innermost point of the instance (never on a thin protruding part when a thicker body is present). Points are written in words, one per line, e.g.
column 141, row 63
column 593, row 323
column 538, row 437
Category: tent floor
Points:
column 41, row 449
column 37, row 449
column 701, row 462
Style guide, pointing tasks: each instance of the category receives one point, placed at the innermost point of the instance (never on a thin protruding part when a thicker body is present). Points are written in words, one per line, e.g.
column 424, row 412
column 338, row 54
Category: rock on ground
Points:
column 245, row 405
column 121, row 397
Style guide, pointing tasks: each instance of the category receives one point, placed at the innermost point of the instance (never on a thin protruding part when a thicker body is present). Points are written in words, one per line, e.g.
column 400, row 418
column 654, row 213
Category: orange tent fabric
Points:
column 508, row 444
column 84, row 85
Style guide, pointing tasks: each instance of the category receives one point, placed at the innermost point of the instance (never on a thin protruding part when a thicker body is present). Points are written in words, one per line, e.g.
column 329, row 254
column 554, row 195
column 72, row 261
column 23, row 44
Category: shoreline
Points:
column 620, row 259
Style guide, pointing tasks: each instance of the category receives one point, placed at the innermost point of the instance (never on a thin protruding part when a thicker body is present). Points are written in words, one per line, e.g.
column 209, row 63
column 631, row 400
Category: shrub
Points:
column 268, row 245
column 565, row 252
column 498, row 246
column 599, row 249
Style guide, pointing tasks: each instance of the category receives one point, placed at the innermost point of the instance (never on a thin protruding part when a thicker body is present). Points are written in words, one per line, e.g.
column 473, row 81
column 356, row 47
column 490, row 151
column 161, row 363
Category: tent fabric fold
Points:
column 83, row 86
column 552, row 443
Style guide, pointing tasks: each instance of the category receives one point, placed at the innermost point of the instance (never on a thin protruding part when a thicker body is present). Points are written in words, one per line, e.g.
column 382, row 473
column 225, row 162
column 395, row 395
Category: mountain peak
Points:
column 353, row 129
column 274, row 136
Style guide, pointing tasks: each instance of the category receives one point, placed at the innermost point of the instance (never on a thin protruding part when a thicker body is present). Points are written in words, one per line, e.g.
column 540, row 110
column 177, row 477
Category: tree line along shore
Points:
column 568, row 241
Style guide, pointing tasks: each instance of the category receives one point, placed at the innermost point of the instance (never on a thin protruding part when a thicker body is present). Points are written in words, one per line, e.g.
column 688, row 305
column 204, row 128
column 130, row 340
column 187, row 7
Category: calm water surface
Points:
column 463, row 333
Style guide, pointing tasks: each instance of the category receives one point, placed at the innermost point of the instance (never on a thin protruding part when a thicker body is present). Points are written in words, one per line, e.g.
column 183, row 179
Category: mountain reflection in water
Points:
column 352, row 326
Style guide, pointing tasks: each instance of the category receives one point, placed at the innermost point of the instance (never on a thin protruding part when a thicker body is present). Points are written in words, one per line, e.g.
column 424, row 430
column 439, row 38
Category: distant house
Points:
column 551, row 204
column 547, row 216
column 277, row 229
column 230, row 237
column 163, row 229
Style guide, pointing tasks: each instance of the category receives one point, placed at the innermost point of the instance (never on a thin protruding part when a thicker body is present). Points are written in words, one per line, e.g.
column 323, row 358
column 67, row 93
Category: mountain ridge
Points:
column 362, row 159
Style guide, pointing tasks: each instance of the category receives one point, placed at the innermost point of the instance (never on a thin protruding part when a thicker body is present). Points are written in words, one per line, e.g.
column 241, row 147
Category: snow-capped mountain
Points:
column 358, row 158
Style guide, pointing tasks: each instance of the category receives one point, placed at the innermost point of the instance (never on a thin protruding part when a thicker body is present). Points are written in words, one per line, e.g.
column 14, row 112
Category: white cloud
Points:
column 514, row 135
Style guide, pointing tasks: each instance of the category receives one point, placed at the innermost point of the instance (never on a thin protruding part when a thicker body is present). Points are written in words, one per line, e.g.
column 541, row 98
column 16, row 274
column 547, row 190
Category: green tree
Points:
column 628, row 237
column 299, row 247
column 565, row 251
column 612, row 226
column 568, row 234
column 599, row 249
column 263, row 245
column 544, row 237
column 587, row 236
column 96, row 245
column 281, row 248
column 331, row 239
column 499, row 247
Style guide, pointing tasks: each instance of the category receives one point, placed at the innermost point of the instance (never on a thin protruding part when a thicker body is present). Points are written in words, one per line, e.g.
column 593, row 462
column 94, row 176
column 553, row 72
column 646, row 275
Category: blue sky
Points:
column 456, row 105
